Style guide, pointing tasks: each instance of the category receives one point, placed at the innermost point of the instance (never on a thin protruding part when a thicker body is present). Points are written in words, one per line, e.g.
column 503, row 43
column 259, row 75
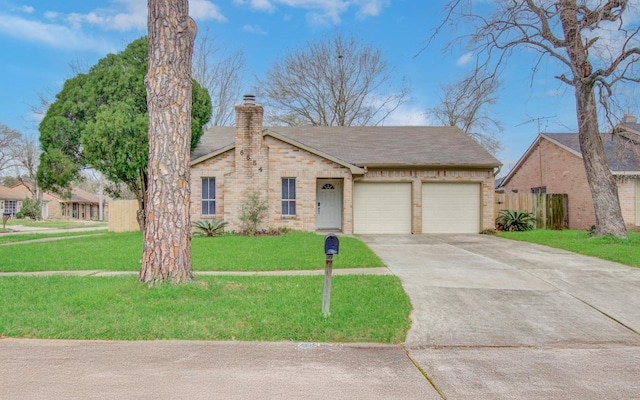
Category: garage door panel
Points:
column 450, row 208
column 382, row 208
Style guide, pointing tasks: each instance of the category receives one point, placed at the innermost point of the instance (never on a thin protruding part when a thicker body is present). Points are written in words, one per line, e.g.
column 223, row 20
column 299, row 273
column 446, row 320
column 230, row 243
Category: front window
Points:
column 288, row 196
column 11, row 207
column 208, row 196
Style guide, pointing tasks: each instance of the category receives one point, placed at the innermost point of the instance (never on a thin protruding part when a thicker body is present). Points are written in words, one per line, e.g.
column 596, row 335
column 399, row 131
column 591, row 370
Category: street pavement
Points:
column 492, row 319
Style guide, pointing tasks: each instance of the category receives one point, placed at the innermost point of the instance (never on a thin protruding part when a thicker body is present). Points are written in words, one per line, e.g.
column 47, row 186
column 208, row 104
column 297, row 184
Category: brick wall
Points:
column 628, row 192
column 562, row 171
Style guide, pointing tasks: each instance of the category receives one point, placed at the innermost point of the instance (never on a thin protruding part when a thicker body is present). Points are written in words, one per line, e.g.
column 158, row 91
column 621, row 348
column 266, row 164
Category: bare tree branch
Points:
column 334, row 82
column 464, row 104
column 596, row 51
column 9, row 140
column 221, row 74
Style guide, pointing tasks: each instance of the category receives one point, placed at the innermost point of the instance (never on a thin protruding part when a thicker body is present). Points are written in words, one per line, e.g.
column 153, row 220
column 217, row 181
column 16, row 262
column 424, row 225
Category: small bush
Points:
column 515, row 221
column 252, row 213
column 30, row 209
column 210, row 227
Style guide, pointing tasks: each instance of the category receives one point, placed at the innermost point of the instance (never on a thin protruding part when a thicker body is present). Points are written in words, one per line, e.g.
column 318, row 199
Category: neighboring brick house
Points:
column 82, row 205
column 553, row 164
column 50, row 208
column 349, row 179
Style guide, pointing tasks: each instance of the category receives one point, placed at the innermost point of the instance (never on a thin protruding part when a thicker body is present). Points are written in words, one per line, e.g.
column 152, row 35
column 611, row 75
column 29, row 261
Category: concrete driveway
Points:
column 498, row 319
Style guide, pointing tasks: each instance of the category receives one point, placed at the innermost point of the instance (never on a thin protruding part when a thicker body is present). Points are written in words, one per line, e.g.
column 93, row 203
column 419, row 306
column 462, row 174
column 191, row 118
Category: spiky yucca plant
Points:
column 517, row 221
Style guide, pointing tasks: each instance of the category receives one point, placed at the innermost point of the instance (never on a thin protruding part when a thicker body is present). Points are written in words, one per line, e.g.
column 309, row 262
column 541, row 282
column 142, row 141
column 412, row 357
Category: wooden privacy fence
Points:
column 122, row 216
column 549, row 210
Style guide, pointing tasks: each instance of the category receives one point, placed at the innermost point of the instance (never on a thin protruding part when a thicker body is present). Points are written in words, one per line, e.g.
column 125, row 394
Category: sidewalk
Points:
column 70, row 369
column 335, row 271
column 20, row 229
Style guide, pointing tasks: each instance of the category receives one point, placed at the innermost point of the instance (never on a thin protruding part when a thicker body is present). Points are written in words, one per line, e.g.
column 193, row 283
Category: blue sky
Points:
column 38, row 40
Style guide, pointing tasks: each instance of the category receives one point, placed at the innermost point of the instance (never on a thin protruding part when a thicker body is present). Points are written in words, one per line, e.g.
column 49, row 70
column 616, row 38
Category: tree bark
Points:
column 167, row 239
column 604, row 190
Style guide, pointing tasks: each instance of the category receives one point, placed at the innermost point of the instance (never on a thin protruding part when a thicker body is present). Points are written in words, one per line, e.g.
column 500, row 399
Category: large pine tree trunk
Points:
column 167, row 239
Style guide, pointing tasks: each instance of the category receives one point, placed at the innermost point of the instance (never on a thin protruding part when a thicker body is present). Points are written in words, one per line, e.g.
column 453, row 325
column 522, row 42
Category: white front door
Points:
column 329, row 204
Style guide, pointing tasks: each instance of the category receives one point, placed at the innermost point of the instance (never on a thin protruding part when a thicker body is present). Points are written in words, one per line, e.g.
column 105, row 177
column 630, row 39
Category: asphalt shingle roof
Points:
column 622, row 154
column 9, row 194
column 372, row 146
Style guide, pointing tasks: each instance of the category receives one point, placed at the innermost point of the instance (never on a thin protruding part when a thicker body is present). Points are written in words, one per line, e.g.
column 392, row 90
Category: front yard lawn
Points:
column 122, row 252
column 625, row 251
column 363, row 309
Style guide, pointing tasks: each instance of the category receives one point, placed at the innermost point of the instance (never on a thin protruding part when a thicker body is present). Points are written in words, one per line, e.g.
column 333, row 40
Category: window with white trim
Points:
column 288, row 196
column 11, row 207
column 208, row 196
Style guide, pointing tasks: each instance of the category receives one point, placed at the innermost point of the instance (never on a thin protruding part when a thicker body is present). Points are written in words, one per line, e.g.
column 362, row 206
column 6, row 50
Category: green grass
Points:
column 54, row 224
column 122, row 252
column 363, row 309
column 625, row 251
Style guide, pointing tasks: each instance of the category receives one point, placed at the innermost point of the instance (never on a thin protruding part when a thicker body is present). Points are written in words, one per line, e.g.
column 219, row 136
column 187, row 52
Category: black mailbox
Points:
column 331, row 244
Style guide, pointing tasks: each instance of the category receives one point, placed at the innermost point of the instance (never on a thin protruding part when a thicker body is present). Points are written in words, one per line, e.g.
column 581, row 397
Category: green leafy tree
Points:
column 99, row 120
column 30, row 209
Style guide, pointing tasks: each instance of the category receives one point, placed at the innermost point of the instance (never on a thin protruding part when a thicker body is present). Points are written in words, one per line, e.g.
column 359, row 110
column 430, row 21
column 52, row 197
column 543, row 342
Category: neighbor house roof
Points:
column 9, row 194
column 371, row 146
column 623, row 155
column 81, row 196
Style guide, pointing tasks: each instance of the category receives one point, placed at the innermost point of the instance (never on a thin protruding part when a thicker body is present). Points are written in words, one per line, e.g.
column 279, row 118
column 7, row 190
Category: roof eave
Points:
column 464, row 166
column 626, row 173
column 212, row 154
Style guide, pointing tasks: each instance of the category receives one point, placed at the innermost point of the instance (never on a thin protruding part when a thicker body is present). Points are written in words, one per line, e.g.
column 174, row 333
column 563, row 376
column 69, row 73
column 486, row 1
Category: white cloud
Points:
column 127, row 15
column 27, row 9
column 51, row 15
column 320, row 12
column 205, row 11
column 49, row 34
column 259, row 5
column 371, row 8
column 254, row 29
column 408, row 115
column 464, row 59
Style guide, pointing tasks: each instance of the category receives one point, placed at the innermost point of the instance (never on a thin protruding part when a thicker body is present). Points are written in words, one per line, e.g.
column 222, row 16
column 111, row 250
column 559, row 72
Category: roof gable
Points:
column 623, row 155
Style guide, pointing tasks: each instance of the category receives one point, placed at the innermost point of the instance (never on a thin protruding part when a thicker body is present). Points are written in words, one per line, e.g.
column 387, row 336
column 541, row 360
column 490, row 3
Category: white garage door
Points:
column 382, row 208
column 451, row 208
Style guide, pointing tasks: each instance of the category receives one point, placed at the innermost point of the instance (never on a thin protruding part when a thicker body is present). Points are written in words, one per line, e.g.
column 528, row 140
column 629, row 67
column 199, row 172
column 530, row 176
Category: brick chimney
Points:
column 629, row 119
column 251, row 154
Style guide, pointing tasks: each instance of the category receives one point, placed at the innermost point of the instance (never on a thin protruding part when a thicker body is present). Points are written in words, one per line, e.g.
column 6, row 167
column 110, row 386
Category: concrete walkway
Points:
column 499, row 319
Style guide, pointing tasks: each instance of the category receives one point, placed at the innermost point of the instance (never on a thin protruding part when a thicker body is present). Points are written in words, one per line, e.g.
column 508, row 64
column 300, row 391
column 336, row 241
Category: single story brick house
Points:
column 49, row 205
column 351, row 179
column 553, row 164
column 82, row 205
